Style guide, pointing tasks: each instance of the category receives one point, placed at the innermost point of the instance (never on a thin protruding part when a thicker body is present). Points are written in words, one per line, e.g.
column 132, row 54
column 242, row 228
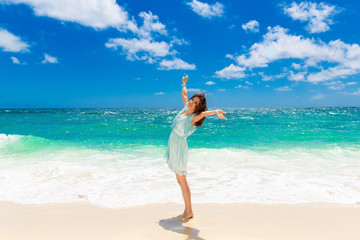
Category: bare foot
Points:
column 188, row 215
column 184, row 213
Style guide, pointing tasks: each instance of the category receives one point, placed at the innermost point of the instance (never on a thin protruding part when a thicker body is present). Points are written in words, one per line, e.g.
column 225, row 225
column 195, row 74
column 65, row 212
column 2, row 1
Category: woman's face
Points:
column 193, row 103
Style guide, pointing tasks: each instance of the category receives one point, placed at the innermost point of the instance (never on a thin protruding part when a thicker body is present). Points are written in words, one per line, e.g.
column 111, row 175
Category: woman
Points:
column 185, row 123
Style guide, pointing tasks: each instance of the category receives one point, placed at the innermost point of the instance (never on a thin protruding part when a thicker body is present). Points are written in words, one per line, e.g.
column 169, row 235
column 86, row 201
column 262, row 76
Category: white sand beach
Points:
column 159, row 221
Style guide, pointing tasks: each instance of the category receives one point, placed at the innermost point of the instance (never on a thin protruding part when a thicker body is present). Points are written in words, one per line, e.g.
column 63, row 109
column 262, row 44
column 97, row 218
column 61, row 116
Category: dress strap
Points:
column 185, row 108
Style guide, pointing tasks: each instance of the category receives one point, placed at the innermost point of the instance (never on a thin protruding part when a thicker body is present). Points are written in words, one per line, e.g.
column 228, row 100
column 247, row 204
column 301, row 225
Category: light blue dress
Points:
column 176, row 154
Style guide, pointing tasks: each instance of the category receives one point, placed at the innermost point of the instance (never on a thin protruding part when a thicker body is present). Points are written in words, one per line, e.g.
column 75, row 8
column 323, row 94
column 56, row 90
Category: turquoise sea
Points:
column 114, row 157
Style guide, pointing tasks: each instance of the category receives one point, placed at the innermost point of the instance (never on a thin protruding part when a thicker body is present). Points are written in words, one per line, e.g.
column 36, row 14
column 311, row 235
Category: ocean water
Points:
column 114, row 157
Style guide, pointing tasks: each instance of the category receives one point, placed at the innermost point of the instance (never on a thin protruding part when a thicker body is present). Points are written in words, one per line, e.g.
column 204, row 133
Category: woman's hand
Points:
column 220, row 113
column 184, row 79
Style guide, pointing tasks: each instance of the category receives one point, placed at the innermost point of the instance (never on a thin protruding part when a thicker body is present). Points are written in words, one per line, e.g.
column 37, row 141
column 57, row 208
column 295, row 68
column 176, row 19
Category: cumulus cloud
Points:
column 351, row 83
column 283, row 89
column 251, row 26
column 241, row 86
column 338, row 85
column 98, row 14
column 231, row 72
column 140, row 49
column 146, row 48
column 150, row 25
column 139, row 44
column 272, row 77
column 300, row 76
column 178, row 41
column 318, row 96
column 206, row 10
column 277, row 44
column 49, row 59
column 210, row 83
column 15, row 60
column 11, row 43
column 159, row 93
column 296, row 66
column 195, row 90
column 176, row 63
column 356, row 92
column 317, row 14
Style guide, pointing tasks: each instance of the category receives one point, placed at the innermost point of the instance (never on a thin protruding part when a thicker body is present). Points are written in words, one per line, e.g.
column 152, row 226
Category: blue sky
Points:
column 107, row 53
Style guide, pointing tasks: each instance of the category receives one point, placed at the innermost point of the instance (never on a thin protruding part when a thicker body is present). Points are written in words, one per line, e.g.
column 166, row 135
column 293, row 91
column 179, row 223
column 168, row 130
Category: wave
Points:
column 129, row 176
column 23, row 143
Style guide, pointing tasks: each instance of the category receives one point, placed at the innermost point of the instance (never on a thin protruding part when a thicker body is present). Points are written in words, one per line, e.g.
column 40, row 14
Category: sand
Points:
column 159, row 221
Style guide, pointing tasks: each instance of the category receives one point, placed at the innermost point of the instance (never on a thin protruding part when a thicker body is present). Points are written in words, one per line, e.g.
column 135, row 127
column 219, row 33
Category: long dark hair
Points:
column 199, row 108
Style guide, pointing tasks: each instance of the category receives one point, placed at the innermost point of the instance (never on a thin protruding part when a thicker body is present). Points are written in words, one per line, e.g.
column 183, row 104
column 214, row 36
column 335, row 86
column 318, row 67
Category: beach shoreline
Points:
column 83, row 220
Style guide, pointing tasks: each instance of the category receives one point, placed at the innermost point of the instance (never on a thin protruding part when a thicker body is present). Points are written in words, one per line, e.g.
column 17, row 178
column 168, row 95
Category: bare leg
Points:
column 188, row 213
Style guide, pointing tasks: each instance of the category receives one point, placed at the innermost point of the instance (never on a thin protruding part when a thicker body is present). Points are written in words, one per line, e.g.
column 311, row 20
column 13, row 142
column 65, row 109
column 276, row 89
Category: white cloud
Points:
column 140, row 49
column 159, row 93
column 252, row 26
column 356, row 92
column 177, row 64
column 151, row 25
column 102, row 14
column 338, row 85
column 49, row 59
column 195, row 90
column 221, row 90
column 272, row 77
column 339, row 71
column 177, row 41
column 230, row 56
column 318, row 15
column 296, row 66
column 98, row 14
column 11, row 43
column 205, row 10
column 15, row 60
column 147, row 49
column 241, row 86
column 277, row 44
column 300, row 76
column 283, row 89
column 318, row 96
column 210, row 83
column 231, row 72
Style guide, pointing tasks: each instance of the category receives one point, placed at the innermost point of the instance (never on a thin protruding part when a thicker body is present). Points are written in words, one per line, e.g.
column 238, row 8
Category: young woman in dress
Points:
column 184, row 124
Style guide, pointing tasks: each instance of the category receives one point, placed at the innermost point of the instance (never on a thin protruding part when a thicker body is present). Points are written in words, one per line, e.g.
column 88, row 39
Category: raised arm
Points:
column 218, row 112
column 184, row 91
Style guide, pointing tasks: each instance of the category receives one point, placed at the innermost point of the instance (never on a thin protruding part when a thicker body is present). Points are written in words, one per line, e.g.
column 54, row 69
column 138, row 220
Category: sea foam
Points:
column 123, row 177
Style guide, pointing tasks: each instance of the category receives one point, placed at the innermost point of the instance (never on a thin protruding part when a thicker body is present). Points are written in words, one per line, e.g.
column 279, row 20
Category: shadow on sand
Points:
column 175, row 224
